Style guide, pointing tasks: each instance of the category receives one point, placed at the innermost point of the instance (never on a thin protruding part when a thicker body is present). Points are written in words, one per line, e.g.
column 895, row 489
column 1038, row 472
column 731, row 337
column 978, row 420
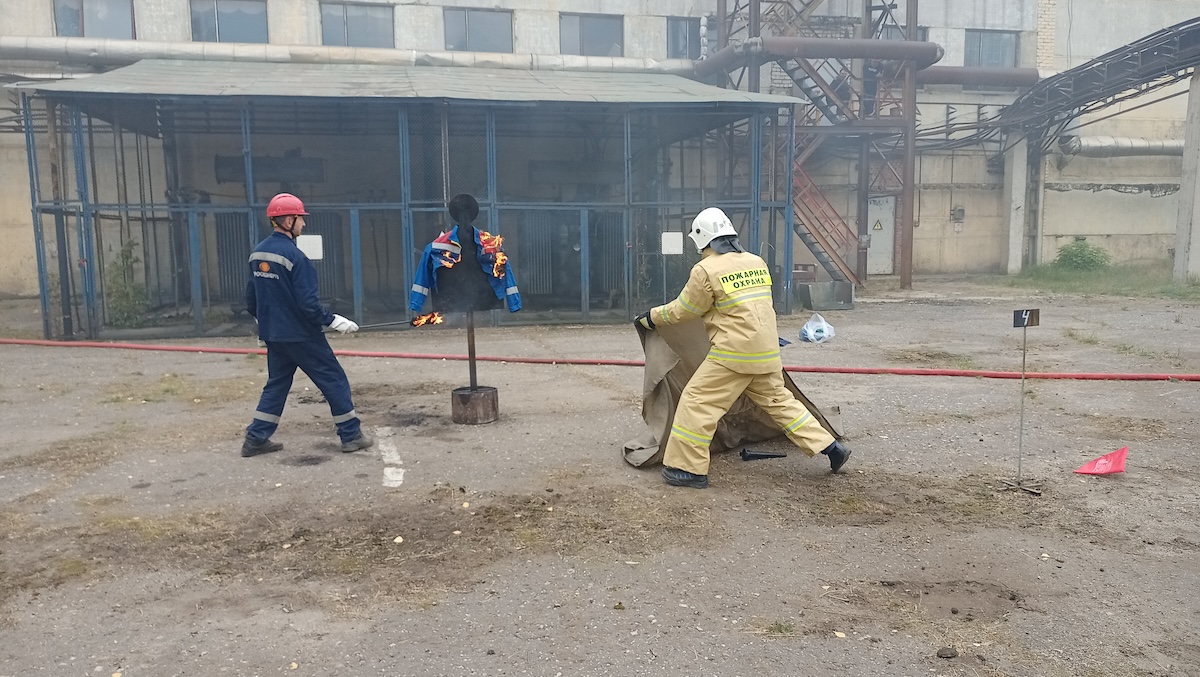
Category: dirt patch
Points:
column 306, row 460
column 876, row 498
column 447, row 537
column 931, row 357
column 75, row 456
column 1107, row 427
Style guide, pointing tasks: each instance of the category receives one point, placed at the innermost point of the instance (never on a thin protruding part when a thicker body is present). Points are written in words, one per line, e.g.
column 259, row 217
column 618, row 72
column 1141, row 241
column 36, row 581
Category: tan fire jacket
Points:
column 732, row 293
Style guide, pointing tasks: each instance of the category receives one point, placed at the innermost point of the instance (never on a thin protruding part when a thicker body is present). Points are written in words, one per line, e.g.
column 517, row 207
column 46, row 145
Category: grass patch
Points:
column 1153, row 279
column 781, row 628
column 173, row 387
column 1076, row 335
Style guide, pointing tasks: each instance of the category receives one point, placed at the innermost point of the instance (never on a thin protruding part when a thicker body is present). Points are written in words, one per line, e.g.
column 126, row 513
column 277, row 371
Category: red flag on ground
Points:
column 1106, row 464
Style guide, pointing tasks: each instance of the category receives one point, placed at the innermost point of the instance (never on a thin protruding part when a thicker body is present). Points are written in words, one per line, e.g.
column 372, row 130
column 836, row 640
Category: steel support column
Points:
column 490, row 130
column 627, row 213
column 197, row 289
column 584, row 268
column 356, row 263
column 908, row 197
column 62, row 242
column 754, row 76
column 39, row 238
column 866, row 32
column 248, row 161
column 85, row 230
column 406, row 227
column 789, row 216
column 754, row 237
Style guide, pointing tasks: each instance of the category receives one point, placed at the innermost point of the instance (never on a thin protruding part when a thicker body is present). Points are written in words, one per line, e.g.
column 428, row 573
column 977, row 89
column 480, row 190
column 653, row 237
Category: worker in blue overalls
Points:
column 282, row 296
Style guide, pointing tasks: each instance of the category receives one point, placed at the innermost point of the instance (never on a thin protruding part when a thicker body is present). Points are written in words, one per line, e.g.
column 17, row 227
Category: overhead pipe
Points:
column 763, row 49
column 104, row 52
column 977, row 76
column 1118, row 146
column 587, row 361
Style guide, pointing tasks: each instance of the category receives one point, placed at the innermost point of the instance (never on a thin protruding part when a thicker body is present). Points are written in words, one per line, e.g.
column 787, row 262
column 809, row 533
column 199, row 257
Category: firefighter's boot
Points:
column 682, row 478
column 838, row 455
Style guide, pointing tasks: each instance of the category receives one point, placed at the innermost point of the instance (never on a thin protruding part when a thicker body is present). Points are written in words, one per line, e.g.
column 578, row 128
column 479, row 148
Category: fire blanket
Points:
column 673, row 353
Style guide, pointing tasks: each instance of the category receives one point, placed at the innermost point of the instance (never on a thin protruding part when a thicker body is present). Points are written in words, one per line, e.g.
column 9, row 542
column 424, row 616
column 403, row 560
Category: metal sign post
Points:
column 1024, row 319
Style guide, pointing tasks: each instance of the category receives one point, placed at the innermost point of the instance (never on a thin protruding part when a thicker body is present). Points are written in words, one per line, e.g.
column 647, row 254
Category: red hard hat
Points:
column 285, row 204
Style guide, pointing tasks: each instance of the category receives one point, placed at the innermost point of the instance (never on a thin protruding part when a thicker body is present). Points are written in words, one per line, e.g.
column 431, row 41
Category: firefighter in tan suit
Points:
column 731, row 290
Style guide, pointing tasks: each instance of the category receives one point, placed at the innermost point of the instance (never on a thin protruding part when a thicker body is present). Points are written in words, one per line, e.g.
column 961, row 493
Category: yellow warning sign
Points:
column 878, row 225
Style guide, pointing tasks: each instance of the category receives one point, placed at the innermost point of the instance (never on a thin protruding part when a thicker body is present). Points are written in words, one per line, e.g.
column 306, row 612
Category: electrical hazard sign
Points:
column 744, row 279
column 878, row 225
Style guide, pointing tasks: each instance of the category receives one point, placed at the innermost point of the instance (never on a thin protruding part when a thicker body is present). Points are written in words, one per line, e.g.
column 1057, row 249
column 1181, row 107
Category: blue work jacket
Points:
column 282, row 292
column 446, row 252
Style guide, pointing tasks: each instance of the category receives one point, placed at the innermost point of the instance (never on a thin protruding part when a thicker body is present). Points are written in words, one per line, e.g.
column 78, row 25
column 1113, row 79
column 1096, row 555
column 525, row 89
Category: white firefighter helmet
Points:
column 709, row 225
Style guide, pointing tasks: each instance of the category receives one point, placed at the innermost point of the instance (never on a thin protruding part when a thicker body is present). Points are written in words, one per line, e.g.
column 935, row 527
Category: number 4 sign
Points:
column 1026, row 318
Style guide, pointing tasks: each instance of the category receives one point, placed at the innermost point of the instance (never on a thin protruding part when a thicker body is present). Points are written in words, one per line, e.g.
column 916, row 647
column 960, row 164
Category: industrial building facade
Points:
column 581, row 177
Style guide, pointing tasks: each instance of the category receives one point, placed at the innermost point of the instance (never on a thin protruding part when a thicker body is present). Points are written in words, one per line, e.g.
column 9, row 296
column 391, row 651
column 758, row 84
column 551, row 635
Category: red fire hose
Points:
column 893, row 371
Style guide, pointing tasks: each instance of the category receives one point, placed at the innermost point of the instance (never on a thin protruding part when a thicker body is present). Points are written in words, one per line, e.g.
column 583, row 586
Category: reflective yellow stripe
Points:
column 742, row 298
column 744, row 357
column 662, row 311
column 798, row 423
column 689, row 435
column 689, row 307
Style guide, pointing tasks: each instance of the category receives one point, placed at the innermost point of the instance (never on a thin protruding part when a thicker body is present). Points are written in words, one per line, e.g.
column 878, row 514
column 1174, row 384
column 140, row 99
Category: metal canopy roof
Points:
column 168, row 79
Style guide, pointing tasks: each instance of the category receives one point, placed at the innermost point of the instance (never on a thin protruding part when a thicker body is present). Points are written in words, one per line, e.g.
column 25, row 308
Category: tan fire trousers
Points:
column 709, row 394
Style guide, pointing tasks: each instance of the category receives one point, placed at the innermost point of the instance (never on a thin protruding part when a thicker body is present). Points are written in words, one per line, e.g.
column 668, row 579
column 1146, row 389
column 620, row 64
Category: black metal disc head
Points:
column 463, row 209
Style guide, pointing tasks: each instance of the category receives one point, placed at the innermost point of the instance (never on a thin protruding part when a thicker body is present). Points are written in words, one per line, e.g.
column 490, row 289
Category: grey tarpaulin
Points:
column 673, row 354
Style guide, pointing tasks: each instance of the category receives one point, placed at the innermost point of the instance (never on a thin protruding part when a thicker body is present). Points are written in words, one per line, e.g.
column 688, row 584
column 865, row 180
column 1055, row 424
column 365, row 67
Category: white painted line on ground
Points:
column 393, row 474
column 393, row 477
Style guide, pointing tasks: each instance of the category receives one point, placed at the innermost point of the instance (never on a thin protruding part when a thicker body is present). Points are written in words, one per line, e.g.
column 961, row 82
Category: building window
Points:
column 683, row 37
column 991, row 49
column 897, row 33
column 478, row 30
column 591, row 35
column 350, row 25
column 229, row 20
column 94, row 19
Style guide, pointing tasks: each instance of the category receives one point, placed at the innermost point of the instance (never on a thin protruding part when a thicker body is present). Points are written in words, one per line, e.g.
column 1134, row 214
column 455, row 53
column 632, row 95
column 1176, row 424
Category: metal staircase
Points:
column 822, row 229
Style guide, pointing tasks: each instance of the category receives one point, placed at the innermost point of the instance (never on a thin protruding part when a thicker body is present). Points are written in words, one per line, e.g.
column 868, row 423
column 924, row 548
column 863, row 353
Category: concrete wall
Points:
column 1126, row 205
column 18, row 267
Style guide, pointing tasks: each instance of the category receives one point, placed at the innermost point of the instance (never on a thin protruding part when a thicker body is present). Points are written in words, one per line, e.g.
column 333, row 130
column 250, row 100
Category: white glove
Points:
column 341, row 324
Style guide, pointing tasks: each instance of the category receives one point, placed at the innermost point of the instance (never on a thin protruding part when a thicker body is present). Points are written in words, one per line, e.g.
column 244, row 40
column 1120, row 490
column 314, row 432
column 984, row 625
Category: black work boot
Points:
column 682, row 478
column 361, row 442
column 838, row 455
column 252, row 448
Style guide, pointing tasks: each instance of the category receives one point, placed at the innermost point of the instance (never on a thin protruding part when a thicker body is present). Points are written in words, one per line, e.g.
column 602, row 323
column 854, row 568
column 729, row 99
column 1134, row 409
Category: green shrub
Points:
column 128, row 301
column 1079, row 255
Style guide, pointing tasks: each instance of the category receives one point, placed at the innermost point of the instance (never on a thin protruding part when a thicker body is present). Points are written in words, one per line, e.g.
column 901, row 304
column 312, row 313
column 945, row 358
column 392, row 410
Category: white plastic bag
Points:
column 816, row 330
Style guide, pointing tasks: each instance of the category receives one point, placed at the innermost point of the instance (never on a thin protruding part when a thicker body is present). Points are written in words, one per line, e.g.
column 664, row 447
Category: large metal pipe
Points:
column 97, row 52
column 1118, row 146
column 761, row 50
column 985, row 77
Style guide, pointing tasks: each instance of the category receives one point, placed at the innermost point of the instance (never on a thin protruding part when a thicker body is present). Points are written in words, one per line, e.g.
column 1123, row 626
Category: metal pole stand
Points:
column 1023, row 319
column 474, row 404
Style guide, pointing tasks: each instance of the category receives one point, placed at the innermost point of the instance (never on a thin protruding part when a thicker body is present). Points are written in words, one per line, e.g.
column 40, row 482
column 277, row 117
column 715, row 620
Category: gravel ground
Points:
column 135, row 540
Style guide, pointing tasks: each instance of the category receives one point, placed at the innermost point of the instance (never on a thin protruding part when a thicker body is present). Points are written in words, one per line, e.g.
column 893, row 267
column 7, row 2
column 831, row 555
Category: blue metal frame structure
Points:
column 39, row 239
column 408, row 207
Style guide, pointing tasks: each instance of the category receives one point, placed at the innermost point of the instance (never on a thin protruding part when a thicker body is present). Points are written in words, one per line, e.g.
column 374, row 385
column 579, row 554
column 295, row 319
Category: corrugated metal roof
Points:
column 164, row 78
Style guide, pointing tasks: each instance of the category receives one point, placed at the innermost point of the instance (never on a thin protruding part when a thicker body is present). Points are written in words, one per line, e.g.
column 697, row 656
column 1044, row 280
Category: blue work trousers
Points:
column 317, row 360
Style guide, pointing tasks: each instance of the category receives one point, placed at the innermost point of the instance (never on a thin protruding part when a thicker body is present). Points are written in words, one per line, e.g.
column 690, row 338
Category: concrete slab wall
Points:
column 18, row 266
